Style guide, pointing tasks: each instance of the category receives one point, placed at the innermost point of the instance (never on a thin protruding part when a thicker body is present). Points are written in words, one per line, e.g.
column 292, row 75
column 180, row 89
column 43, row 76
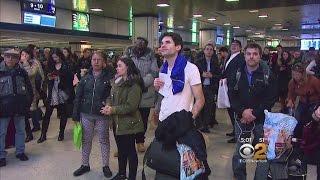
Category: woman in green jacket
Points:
column 123, row 105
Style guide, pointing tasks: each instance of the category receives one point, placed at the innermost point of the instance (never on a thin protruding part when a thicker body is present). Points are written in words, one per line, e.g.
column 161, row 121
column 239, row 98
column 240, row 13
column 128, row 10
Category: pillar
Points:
column 205, row 35
column 146, row 26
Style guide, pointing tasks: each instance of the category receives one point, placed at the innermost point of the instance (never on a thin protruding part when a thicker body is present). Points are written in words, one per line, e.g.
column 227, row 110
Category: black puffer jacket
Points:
column 259, row 96
column 15, row 91
column 91, row 93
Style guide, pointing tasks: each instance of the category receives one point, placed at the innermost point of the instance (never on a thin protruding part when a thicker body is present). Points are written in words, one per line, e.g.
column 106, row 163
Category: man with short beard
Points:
column 250, row 94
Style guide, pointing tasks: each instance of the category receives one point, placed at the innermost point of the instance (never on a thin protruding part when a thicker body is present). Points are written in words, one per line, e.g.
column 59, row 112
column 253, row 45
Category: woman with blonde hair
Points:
column 91, row 93
column 308, row 90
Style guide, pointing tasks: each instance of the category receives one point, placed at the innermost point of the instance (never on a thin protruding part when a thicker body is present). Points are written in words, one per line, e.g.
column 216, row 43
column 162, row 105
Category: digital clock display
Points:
column 39, row 7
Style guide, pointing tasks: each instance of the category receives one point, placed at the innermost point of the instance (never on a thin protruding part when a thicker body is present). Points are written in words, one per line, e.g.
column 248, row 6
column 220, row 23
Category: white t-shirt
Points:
column 183, row 100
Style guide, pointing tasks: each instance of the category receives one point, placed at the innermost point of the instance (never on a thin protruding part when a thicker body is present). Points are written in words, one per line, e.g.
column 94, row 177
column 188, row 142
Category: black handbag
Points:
column 164, row 161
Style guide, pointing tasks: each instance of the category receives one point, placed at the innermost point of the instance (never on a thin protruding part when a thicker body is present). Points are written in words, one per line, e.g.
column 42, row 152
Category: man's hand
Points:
column 50, row 77
column 204, row 74
column 290, row 104
column 158, row 83
column 247, row 116
column 209, row 74
column 54, row 77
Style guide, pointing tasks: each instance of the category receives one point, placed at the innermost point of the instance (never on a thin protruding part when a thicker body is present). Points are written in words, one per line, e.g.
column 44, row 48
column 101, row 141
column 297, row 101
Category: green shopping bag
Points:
column 77, row 135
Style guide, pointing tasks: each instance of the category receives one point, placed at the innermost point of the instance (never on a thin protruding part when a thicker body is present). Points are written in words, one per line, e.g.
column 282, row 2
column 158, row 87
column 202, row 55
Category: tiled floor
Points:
column 53, row 160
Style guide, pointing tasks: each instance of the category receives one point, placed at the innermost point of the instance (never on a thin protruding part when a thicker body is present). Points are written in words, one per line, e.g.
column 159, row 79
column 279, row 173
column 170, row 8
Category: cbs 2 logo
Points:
column 258, row 151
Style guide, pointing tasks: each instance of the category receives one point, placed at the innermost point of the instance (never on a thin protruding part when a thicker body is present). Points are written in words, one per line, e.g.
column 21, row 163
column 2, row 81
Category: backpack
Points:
column 266, row 74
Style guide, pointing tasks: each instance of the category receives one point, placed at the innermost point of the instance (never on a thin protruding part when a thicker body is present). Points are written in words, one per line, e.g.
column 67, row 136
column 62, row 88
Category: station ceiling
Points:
column 300, row 17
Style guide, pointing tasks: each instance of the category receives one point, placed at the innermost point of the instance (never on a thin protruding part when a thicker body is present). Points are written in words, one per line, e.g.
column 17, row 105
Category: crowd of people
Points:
column 99, row 91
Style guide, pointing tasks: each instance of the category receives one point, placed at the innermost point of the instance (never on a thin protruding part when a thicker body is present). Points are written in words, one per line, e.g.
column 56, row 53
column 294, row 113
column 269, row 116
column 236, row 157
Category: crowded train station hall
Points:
column 160, row 89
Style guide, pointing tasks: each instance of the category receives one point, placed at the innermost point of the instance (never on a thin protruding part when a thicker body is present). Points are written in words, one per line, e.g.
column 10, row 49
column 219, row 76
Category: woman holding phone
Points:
column 60, row 86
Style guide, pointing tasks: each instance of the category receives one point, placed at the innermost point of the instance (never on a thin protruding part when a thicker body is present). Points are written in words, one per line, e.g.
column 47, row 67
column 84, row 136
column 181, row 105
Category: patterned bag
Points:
column 191, row 167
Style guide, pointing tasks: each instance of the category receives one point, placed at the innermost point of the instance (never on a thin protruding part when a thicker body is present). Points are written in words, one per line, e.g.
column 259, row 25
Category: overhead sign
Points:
column 80, row 5
column 80, row 21
column 39, row 19
column 44, row 7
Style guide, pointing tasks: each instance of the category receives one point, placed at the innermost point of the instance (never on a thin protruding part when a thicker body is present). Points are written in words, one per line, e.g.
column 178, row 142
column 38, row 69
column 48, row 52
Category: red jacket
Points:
column 310, row 86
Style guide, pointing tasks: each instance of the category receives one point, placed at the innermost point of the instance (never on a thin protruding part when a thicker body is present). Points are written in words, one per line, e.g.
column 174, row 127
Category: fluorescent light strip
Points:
column 163, row 5
column 263, row 16
column 211, row 19
column 96, row 9
column 227, row 24
column 197, row 15
column 254, row 11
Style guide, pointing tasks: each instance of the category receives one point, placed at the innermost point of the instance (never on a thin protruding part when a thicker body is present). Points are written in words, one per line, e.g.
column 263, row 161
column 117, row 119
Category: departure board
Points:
column 39, row 6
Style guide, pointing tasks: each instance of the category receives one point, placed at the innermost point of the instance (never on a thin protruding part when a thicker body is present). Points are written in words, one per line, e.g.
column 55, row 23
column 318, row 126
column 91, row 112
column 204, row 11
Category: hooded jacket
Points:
column 124, row 99
column 16, row 92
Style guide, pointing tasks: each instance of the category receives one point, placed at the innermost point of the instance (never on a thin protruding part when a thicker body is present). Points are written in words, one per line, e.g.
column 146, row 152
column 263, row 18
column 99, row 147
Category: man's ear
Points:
column 178, row 48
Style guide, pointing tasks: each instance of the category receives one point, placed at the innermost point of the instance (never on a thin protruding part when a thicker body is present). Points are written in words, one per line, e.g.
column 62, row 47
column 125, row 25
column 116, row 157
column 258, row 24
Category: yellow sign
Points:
column 80, row 5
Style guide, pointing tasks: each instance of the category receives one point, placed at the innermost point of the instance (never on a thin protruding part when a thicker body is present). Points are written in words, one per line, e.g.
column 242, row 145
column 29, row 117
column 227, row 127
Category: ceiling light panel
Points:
column 163, row 5
column 197, row 15
column 263, row 16
column 96, row 9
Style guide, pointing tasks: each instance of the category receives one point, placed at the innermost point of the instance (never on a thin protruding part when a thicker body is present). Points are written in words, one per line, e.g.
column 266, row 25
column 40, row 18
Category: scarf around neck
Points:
column 177, row 75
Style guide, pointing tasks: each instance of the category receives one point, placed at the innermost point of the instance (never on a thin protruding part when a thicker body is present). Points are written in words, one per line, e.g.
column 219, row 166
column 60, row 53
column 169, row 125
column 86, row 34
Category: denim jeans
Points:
column 300, row 110
column 238, row 166
column 19, row 136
